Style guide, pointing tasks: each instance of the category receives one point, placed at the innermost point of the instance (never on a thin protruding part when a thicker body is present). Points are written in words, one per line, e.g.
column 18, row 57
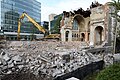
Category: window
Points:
column 75, row 25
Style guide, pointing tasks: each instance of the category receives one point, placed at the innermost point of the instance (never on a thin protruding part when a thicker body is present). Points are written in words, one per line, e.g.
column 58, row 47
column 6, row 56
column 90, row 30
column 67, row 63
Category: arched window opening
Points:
column 98, row 35
column 67, row 34
column 82, row 37
column 75, row 24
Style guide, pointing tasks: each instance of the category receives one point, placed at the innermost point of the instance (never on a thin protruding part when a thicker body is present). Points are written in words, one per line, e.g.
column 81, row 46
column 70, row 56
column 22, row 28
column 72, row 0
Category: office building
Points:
column 52, row 22
column 11, row 10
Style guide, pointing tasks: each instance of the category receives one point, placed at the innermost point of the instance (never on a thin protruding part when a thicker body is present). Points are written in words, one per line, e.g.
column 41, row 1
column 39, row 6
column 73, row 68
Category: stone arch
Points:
column 78, row 22
column 98, row 35
column 78, row 26
column 68, row 35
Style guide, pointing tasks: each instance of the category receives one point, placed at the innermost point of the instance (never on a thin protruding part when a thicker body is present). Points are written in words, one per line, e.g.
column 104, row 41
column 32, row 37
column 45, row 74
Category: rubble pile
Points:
column 36, row 47
column 50, row 59
column 51, row 64
column 108, row 59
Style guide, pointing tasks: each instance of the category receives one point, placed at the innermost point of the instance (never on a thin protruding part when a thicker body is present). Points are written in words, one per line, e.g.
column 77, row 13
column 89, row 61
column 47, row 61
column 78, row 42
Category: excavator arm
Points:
column 40, row 28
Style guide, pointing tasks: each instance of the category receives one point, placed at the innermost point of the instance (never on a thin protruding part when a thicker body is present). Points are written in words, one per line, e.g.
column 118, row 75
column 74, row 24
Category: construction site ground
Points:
column 52, row 58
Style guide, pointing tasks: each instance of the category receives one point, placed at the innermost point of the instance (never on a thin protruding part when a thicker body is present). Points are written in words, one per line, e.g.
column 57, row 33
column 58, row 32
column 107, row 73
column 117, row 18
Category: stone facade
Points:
column 90, row 26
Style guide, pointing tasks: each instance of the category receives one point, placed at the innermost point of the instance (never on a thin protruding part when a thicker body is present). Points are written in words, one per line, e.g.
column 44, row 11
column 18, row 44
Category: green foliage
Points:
column 110, row 73
column 115, row 4
column 56, row 28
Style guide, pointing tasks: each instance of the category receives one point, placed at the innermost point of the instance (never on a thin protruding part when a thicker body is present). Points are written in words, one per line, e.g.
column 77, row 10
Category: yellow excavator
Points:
column 40, row 28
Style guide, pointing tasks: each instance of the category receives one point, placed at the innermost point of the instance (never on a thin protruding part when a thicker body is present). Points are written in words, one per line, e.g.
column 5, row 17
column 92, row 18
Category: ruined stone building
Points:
column 92, row 26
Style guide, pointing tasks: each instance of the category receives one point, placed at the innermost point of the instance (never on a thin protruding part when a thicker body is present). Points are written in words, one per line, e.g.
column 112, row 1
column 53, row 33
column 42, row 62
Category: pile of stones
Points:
column 47, row 59
column 47, row 63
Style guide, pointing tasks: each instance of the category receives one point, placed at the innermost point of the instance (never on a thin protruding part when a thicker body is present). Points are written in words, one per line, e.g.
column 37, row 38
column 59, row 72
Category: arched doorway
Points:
column 98, row 36
column 66, row 35
column 82, row 37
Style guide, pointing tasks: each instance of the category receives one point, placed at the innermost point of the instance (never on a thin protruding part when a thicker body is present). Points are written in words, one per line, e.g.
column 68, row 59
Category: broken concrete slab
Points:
column 72, row 78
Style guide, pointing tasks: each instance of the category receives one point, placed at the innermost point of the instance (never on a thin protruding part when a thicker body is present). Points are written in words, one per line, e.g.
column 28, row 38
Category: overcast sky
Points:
column 58, row 6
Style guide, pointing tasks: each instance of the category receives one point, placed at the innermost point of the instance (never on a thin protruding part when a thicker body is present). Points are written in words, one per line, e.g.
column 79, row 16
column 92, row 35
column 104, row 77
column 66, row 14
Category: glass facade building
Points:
column 53, row 22
column 11, row 10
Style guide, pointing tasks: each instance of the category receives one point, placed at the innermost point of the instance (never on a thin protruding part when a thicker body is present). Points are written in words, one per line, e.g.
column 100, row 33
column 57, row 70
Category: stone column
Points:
column 92, row 36
column 86, row 36
column 62, row 34
column 70, row 35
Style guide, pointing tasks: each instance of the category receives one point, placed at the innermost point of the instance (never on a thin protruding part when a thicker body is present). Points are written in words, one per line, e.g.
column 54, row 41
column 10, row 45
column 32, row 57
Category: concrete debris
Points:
column 6, row 57
column 44, row 59
column 72, row 78
column 56, row 66
column 116, row 57
column 109, row 58
column 17, row 58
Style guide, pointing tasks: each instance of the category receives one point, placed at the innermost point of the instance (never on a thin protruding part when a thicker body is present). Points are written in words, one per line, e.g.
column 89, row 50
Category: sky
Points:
column 58, row 6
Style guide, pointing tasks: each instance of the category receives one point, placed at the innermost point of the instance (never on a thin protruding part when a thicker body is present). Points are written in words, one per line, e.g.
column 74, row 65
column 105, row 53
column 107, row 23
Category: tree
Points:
column 116, row 15
column 116, row 5
column 56, row 28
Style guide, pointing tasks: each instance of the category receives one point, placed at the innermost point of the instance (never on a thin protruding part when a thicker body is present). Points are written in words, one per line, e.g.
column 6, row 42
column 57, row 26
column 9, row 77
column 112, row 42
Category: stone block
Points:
column 17, row 58
column 5, row 57
column 72, row 78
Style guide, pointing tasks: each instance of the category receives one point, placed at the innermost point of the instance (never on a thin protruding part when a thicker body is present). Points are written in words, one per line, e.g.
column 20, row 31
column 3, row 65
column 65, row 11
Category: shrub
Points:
column 110, row 73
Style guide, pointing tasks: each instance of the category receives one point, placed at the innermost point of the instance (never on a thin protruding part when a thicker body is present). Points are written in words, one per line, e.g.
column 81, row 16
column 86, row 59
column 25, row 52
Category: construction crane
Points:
column 40, row 28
